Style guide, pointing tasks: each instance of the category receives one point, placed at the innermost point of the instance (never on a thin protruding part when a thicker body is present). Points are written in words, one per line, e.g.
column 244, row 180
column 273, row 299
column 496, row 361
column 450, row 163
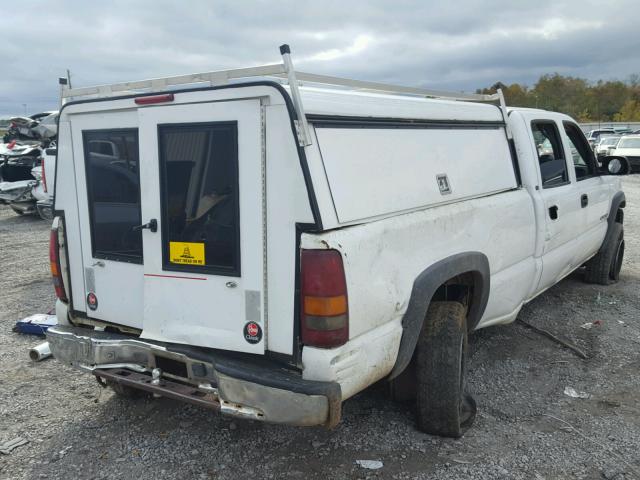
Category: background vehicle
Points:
column 23, row 164
column 270, row 251
column 27, row 128
column 606, row 145
column 594, row 135
column 43, row 191
column 629, row 147
column 16, row 177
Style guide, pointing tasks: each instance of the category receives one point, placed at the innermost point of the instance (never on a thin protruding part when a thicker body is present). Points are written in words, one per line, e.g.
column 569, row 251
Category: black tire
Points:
column 604, row 268
column 17, row 210
column 402, row 389
column 443, row 406
column 126, row 392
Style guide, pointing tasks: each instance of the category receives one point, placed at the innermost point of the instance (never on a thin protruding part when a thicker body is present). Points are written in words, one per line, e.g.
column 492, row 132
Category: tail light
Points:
column 54, row 260
column 324, row 307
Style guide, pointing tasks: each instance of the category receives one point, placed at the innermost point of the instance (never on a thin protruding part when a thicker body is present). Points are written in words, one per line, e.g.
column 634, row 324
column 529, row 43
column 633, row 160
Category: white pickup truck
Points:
column 269, row 249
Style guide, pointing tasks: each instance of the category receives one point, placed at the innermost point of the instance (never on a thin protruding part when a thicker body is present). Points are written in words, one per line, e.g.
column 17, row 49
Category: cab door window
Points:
column 551, row 160
column 582, row 155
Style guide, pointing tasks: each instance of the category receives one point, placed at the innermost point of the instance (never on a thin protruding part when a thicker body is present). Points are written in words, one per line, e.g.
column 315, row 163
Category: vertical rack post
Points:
column 304, row 137
column 505, row 114
column 65, row 84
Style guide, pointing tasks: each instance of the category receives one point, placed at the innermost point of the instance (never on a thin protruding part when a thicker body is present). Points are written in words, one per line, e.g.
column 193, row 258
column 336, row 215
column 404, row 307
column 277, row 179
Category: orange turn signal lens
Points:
column 325, row 306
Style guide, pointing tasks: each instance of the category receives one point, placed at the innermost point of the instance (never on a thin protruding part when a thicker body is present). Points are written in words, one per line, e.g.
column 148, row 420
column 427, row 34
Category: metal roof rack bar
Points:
column 214, row 78
column 394, row 89
column 282, row 70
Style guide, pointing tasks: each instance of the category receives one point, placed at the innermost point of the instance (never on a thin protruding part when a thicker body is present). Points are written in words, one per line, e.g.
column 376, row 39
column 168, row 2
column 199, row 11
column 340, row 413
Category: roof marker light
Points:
column 148, row 100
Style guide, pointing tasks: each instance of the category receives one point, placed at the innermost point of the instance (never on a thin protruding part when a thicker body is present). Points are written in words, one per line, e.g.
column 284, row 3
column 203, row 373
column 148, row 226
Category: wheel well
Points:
column 456, row 289
column 442, row 281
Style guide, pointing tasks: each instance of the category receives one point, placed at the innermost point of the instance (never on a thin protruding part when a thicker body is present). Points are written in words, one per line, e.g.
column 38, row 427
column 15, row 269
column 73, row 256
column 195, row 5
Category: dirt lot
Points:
column 527, row 427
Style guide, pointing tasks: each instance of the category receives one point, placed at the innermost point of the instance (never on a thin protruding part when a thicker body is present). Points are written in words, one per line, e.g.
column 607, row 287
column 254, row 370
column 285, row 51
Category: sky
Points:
column 457, row 45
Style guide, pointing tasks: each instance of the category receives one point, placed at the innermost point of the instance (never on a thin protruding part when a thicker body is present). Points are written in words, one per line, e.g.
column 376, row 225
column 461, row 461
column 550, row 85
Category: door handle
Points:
column 152, row 225
column 553, row 212
column 584, row 200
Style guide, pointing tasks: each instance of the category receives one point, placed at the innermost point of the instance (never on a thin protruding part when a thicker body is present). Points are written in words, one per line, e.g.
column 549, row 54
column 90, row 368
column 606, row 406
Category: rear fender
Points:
column 424, row 287
column 617, row 204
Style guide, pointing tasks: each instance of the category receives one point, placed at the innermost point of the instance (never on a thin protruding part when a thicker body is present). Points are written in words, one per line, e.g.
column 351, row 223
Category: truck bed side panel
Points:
column 383, row 258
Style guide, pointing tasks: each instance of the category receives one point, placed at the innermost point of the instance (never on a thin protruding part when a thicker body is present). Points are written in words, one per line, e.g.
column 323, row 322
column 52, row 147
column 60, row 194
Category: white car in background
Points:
column 607, row 144
column 629, row 147
column 43, row 191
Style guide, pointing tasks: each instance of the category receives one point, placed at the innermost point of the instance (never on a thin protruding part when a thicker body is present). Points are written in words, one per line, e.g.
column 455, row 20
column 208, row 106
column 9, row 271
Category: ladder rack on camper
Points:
column 281, row 71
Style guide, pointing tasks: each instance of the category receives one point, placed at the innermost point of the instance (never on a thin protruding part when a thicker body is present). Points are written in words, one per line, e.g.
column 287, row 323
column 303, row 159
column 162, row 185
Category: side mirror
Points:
column 614, row 165
column 51, row 151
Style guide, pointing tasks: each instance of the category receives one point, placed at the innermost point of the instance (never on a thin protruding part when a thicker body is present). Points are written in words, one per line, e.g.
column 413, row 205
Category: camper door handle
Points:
column 152, row 225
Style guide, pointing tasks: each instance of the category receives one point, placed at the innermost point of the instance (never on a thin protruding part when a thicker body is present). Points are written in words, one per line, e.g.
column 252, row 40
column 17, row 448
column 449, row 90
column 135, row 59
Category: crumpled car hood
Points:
column 16, row 191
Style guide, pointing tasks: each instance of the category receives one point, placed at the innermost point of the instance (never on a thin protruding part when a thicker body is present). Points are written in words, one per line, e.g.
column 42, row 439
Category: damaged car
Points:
column 40, row 127
column 17, row 180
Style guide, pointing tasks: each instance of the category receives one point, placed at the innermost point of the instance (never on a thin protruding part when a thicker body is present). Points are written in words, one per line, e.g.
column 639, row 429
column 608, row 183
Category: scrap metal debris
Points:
column 10, row 445
column 40, row 352
column 573, row 393
column 370, row 464
column 35, row 324
column 550, row 335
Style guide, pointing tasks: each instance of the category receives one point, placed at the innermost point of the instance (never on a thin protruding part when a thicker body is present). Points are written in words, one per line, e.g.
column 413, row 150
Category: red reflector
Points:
column 44, row 175
column 154, row 99
column 324, row 308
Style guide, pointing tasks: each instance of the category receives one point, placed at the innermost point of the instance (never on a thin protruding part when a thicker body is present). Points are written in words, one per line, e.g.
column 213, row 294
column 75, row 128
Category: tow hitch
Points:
column 163, row 387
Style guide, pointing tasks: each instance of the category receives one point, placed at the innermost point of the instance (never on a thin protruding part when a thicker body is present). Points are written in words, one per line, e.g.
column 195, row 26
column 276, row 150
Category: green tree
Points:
column 630, row 112
column 601, row 101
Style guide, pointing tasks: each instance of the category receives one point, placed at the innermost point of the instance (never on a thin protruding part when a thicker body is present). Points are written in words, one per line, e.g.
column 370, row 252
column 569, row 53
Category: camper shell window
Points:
column 113, row 192
column 200, row 204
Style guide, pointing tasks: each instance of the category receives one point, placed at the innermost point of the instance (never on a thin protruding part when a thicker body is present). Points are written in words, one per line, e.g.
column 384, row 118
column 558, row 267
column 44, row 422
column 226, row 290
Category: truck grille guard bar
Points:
column 284, row 72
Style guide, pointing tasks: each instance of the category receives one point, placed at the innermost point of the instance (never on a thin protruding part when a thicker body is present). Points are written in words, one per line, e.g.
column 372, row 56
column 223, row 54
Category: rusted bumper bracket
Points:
column 165, row 388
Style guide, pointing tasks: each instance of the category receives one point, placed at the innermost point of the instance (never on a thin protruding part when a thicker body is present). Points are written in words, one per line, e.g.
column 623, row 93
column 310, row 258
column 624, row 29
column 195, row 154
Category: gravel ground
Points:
column 527, row 428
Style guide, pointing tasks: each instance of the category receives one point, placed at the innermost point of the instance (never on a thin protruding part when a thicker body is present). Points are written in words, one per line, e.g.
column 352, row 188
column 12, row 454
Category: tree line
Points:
column 617, row 101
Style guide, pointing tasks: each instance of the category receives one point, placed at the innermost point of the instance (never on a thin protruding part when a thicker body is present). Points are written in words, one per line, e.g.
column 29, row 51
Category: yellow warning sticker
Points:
column 186, row 253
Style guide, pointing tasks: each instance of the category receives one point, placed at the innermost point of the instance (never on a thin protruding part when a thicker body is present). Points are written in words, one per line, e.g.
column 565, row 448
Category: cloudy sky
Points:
column 455, row 45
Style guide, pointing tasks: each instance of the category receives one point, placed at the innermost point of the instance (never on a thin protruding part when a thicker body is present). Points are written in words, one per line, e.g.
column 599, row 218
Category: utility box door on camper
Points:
column 202, row 170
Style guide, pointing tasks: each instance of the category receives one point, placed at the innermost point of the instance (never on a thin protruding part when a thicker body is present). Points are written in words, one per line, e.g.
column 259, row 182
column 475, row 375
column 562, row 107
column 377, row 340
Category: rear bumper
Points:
column 242, row 386
column 45, row 209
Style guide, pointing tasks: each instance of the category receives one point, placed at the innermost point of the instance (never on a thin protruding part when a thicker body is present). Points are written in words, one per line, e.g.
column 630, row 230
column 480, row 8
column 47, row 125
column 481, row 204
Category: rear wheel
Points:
column 17, row 210
column 605, row 267
column 443, row 407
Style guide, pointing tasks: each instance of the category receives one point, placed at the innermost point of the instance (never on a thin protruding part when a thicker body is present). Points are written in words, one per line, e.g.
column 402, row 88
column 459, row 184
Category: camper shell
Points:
column 270, row 247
